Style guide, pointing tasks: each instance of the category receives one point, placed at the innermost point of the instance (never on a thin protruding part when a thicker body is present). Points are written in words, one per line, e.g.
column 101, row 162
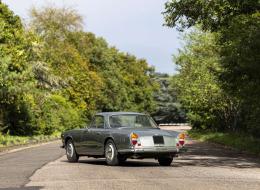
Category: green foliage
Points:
column 126, row 82
column 238, row 28
column 54, row 76
column 122, row 82
column 169, row 110
column 54, row 27
column 240, row 51
column 16, row 78
column 8, row 140
column 211, row 15
column 57, row 114
column 53, row 24
column 198, row 87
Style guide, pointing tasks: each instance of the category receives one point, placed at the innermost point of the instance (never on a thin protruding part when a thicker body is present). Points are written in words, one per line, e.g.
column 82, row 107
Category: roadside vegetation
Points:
column 10, row 141
column 239, row 141
column 218, row 80
column 54, row 76
column 168, row 108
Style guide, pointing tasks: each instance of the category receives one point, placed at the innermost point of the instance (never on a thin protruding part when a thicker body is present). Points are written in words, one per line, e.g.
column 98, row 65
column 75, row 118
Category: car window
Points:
column 98, row 122
column 132, row 121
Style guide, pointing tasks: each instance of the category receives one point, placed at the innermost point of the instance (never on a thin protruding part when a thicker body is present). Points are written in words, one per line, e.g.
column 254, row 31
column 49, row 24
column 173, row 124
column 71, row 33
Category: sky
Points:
column 133, row 26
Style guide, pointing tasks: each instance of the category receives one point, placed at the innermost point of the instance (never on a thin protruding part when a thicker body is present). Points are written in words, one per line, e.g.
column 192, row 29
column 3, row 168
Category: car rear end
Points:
column 154, row 144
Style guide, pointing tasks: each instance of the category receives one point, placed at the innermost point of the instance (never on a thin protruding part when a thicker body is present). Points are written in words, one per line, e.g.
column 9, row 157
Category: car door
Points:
column 99, row 133
column 91, row 137
column 86, row 144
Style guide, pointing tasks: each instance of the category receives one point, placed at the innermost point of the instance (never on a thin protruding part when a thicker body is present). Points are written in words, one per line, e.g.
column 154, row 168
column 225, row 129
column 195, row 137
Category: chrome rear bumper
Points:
column 155, row 150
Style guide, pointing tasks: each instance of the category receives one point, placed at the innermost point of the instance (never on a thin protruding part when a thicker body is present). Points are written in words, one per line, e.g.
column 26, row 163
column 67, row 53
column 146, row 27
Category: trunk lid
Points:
column 152, row 137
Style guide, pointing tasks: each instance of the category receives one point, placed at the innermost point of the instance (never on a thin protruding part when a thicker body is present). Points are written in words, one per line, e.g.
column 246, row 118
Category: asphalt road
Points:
column 204, row 166
column 17, row 167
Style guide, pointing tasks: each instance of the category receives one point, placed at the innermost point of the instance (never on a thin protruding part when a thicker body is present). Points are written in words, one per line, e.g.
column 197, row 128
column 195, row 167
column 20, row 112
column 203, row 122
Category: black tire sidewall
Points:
column 115, row 160
column 165, row 161
column 74, row 157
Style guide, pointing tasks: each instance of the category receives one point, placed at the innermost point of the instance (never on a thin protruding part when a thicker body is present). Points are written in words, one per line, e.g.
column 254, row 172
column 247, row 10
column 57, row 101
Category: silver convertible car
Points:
column 121, row 135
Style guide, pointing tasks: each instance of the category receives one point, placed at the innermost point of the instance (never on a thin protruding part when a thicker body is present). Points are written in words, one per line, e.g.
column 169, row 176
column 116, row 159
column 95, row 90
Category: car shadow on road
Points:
column 128, row 163
column 199, row 154
column 212, row 155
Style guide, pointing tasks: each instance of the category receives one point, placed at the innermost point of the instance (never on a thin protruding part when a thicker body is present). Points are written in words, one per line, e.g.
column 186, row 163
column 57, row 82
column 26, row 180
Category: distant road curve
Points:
column 176, row 127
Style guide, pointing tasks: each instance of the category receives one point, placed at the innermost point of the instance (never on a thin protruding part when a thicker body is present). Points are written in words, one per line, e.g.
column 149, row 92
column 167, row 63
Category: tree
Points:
column 211, row 15
column 237, row 23
column 16, row 78
column 127, row 82
column 98, row 77
column 55, row 27
column 241, row 57
column 197, row 86
column 168, row 110
column 54, row 76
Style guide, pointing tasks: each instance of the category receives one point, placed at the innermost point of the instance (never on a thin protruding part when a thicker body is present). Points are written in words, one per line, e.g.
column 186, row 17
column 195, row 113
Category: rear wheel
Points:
column 111, row 154
column 165, row 161
column 72, row 156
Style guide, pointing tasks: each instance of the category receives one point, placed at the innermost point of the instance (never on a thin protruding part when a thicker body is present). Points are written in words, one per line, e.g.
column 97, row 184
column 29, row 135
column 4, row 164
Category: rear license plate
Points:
column 158, row 140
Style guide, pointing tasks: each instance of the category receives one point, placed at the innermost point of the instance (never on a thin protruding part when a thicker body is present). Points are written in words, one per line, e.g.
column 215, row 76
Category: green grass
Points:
column 242, row 142
column 8, row 140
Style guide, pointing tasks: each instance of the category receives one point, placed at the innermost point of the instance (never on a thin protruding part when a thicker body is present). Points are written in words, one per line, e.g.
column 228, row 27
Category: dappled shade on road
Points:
column 213, row 155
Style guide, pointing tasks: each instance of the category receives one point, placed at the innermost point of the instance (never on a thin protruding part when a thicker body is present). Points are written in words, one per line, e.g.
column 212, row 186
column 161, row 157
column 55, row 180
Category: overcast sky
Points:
column 133, row 26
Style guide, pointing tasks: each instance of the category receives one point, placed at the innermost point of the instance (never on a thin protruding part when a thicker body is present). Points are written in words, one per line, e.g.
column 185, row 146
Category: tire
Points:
column 111, row 154
column 72, row 156
column 166, row 161
column 121, row 158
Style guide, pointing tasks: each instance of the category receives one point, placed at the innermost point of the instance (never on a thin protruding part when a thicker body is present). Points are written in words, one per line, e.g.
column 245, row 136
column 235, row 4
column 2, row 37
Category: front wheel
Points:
column 72, row 156
column 111, row 154
column 165, row 161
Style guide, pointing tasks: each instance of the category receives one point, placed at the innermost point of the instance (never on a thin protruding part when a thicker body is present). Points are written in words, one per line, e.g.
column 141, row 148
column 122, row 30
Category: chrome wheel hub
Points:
column 110, row 152
column 70, row 150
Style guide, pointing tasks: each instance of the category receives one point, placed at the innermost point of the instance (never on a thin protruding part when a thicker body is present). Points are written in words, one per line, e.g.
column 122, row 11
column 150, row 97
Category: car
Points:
column 118, row 136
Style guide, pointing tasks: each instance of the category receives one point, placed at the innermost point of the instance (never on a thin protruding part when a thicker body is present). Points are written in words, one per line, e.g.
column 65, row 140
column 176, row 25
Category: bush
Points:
column 7, row 140
column 57, row 115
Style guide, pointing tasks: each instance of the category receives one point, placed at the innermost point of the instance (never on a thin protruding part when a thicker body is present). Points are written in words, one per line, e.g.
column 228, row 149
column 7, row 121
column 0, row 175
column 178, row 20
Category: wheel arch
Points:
column 69, row 137
column 66, row 139
column 107, row 139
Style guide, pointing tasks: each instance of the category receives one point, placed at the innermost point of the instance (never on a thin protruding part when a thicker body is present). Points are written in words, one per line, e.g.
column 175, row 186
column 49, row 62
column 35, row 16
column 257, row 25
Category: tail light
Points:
column 134, row 138
column 181, row 139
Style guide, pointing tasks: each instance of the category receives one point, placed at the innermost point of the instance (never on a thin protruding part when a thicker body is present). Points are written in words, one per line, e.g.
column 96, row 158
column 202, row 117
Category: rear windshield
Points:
column 132, row 121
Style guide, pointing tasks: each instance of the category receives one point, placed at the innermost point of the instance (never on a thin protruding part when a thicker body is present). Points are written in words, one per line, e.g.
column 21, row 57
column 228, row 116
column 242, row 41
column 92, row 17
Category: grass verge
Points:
column 242, row 142
column 10, row 141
